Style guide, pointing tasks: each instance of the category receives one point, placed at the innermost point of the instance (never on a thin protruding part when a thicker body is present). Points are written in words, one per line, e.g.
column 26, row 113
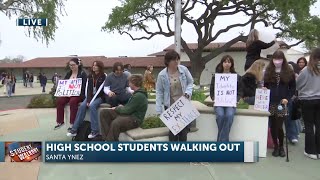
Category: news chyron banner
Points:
column 151, row 152
column 20, row 151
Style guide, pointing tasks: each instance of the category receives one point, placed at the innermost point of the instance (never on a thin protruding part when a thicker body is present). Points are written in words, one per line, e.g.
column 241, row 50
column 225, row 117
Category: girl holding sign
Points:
column 74, row 73
column 280, row 79
column 224, row 115
column 94, row 97
column 173, row 82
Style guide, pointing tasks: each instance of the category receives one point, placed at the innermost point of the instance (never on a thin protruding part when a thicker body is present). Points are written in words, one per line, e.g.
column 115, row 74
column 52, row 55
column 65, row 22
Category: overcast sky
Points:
column 80, row 34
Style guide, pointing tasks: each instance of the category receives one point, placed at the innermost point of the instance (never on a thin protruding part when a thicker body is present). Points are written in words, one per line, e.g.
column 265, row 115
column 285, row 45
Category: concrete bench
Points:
column 87, row 117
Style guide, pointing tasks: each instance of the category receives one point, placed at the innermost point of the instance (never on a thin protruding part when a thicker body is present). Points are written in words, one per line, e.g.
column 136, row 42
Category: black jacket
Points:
column 254, row 51
column 83, row 76
column 99, row 80
column 239, row 90
column 248, row 85
column 281, row 91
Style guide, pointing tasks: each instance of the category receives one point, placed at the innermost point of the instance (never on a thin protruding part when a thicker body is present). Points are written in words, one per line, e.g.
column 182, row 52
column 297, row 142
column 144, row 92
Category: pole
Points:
column 177, row 29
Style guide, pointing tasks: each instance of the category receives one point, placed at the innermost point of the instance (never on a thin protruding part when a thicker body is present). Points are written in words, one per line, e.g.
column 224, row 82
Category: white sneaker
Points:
column 312, row 156
column 294, row 141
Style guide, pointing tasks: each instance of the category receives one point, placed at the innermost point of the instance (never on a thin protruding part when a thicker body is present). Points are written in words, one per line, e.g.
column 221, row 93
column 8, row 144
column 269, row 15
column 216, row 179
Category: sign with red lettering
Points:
column 262, row 100
column 179, row 115
column 69, row 87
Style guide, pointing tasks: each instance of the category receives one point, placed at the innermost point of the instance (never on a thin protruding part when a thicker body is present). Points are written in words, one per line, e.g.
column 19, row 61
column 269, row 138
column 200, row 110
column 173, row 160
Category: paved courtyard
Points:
column 37, row 125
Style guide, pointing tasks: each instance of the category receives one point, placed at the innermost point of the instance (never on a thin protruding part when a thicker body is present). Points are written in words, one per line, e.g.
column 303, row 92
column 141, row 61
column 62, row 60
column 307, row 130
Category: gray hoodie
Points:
column 308, row 85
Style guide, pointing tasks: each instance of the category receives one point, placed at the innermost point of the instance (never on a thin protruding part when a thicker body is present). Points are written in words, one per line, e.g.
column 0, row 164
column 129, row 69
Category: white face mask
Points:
column 277, row 62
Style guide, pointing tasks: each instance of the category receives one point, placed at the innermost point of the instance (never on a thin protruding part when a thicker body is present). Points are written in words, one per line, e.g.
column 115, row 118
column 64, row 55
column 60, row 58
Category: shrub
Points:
column 198, row 95
column 152, row 122
column 242, row 105
column 41, row 101
column 151, row 96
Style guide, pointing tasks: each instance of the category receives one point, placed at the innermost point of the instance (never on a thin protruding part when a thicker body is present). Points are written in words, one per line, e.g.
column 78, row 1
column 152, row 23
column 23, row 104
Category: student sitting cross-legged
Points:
column 122, row 118
column 94, row 97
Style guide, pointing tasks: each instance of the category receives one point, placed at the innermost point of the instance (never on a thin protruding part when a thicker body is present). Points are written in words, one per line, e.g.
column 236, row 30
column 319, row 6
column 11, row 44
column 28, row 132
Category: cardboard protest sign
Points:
column 69, row 87
column 179, row 115
column 225, row 90
column 262, row 100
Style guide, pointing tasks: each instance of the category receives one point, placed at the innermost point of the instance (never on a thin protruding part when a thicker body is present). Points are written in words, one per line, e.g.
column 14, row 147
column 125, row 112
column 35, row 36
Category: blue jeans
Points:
column 224, row 118
column 9, row 90
column 292, row 128
column 81, row 114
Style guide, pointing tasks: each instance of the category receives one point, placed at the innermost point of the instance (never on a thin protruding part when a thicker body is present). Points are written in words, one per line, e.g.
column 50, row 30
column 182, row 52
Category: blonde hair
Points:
column 257, row 69
column 253, row 36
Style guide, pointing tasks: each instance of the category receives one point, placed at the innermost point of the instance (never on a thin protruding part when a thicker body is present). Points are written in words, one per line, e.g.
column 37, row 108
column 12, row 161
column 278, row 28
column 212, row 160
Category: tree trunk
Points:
column 197, row 66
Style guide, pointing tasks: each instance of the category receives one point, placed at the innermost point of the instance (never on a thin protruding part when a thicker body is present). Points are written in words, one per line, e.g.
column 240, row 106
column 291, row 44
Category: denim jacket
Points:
column 163, row 86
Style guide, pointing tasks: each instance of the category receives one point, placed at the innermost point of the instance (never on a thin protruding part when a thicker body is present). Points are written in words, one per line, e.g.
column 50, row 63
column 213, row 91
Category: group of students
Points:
column 121, row 90
column 28, row 79
column 9, row 81
column 292, row 87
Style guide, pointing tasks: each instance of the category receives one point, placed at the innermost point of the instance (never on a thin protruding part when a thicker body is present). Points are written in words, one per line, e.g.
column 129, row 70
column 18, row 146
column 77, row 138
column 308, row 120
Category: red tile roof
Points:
column 61, row 62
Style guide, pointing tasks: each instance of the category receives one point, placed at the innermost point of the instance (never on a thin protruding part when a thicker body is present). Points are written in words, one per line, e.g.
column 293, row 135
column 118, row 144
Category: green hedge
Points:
column 198, row 95
column 42, row 101
column 152, row 122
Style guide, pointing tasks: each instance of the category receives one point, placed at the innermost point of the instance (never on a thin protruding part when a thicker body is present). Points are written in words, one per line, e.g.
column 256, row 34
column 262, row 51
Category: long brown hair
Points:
column 313, row 62
column 101, row 68
column 253, row 36
column 219, row 68
column 286, row 73
column 257, row 69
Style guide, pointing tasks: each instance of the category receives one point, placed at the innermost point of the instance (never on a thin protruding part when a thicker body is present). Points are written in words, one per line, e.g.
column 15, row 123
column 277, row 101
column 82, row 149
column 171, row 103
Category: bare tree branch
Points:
column 223, row 48
column 295, row 44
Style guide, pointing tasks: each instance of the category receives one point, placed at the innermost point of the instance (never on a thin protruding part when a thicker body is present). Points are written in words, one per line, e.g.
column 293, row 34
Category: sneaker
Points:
column 72, row 133
column 281, row 152
column 311, row 156
column 92, row 135
column 294, row 141
column 275, row 152
column 58, row 126
column 69, row 128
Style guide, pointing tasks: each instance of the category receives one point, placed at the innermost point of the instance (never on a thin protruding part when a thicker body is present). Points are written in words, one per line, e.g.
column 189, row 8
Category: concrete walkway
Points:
column 23, row 91
column 37, row 125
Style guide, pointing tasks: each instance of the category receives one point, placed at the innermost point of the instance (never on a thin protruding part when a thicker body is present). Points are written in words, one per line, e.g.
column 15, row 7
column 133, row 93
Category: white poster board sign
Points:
column 262, row 100
column 179, row 115
column 68, row 87
column 225, row 90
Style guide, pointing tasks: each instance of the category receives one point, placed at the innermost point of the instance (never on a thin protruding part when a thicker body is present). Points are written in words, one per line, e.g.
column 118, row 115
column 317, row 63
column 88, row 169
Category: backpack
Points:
column 83, row 132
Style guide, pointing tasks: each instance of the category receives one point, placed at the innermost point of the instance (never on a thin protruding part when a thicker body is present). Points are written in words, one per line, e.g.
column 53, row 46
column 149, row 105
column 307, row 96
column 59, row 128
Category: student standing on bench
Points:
column 94, row 97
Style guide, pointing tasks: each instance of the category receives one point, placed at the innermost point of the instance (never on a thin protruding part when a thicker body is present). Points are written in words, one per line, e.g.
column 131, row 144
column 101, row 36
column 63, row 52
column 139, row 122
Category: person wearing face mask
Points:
column 225, row 115
column 309, row 94
column 280, row 79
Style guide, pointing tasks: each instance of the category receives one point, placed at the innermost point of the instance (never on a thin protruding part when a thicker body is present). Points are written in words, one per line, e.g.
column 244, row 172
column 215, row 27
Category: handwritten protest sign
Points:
column 262, row 100
column 179, row 115
column 225, row 90
column 69, row 87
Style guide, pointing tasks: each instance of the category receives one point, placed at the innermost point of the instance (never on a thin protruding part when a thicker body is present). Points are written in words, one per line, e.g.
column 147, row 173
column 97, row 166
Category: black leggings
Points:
column 181, row 136
column 277, row 130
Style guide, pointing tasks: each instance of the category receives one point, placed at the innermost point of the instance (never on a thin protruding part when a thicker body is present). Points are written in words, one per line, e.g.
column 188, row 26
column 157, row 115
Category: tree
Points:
column 290, row 17
column 17, row 59
column 49, row 9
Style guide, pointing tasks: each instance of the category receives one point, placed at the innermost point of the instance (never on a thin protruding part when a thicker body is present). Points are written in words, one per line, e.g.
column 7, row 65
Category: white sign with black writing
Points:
column 69, row 87
column 179, row 115
column 225, row 90
column 262, row 100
